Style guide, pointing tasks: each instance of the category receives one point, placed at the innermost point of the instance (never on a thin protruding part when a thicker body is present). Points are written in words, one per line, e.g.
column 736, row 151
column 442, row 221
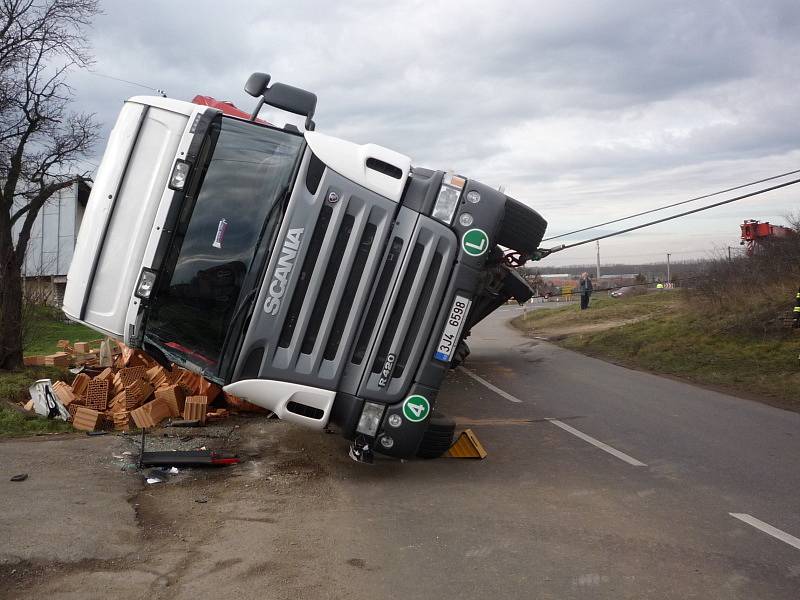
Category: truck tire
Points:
column 438, row 438
column 522, row 229
column 460, row 355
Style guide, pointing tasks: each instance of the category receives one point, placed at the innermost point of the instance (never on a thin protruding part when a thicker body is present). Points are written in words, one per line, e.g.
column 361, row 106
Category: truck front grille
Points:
column 356, row 273
column 416, row 322
column 309, row 264
column 368, row 279
column 397, row 310
column 327, row 295
column 378, row 300
column 407, row 308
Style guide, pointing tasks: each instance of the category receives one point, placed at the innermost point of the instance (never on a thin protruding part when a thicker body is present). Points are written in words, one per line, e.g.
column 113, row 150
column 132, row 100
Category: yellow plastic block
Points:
column 467, row 446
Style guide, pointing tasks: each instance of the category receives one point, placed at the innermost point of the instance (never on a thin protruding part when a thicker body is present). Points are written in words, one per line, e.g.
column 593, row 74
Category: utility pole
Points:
column 598, row 261
column 668, row 279
column 729, row 254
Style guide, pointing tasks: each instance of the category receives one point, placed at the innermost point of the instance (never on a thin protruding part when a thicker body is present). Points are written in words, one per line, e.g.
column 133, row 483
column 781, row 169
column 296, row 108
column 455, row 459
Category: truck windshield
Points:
column 242, row 172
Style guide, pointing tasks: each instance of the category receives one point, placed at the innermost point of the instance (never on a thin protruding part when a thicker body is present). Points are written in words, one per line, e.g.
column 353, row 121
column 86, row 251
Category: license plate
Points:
column 452, row 329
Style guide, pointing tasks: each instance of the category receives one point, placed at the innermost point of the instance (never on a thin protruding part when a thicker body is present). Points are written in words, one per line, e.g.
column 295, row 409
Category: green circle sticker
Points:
column 416, row 408
column 475, row 242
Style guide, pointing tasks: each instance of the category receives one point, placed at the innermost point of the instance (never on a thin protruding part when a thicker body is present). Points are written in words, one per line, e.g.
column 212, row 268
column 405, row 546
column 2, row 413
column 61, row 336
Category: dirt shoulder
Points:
column 559, row 331
column 85, row 525
column 604, row 313
column 52, row 516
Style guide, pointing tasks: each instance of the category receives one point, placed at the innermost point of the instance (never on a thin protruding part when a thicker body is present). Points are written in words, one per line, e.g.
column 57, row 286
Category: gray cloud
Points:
column 583, row 109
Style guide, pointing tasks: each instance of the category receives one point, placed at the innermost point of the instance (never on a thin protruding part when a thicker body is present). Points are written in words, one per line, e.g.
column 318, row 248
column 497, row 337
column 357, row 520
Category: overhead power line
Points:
column 663, row 220
column 159, row 91
column 638, row 255
column 652, row 210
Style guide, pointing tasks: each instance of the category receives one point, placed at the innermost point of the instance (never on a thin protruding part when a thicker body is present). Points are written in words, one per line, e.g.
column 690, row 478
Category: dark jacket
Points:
column 585, row 286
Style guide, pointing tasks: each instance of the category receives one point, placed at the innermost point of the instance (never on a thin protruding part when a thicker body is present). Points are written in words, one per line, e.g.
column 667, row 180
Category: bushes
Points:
column 749, row 295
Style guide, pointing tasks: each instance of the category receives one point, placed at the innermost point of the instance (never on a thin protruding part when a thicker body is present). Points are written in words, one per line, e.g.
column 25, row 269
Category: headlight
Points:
column 180, row 172
column 370, row 418
column 447, row 200
column 147, row 279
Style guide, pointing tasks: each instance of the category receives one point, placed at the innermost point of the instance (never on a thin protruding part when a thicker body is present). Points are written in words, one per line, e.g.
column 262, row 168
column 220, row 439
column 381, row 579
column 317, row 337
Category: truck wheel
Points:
column 522, row 229
column 438, row 438
column 460, row 355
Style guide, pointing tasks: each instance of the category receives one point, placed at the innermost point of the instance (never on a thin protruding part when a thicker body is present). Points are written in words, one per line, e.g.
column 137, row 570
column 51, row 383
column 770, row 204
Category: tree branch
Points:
column 34, row 206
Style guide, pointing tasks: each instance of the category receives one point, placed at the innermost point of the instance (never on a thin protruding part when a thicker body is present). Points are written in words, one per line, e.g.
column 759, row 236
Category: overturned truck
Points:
column 326, row 281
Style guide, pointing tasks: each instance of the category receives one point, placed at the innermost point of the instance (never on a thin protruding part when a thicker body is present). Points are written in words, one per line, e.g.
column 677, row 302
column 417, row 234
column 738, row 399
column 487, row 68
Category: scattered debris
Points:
column 45, row 402
column 20, row 477
column 195, row 408
column 156, row 476
column 188, row 458
column 184, row 423
column 185, row 458
column 119, row 388
column 86, row 419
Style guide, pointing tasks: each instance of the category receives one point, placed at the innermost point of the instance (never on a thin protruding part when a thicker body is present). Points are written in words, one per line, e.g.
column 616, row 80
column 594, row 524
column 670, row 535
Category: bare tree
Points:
column 41, row 141
column 793, row 219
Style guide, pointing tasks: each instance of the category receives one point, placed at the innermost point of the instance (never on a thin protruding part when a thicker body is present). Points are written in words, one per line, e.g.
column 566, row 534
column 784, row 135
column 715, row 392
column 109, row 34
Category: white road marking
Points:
column 597, row 443
column 492, row 387
column 768, row 529
column 586, row 438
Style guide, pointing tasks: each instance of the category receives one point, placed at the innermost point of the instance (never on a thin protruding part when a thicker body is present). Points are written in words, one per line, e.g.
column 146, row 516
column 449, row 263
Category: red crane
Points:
column 755, row 232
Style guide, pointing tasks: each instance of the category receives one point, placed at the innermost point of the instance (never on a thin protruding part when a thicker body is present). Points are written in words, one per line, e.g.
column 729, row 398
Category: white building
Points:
column 52, row 243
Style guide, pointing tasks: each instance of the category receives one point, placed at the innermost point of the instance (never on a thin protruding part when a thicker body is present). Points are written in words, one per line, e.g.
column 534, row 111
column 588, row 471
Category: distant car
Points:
column 623, row 291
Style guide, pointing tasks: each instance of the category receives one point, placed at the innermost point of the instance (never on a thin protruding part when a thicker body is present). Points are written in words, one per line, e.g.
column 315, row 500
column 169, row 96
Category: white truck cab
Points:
column 324, row 280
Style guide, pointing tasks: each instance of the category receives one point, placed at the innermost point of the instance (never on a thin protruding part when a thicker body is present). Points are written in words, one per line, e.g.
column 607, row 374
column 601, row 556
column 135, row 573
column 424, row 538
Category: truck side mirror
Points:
column 257, row 84
column 282, row 96
column 293, row 100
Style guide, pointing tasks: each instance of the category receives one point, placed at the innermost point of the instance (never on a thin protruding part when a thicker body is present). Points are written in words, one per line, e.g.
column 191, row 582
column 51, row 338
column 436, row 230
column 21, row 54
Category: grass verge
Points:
column 43, row 328
column 664, row 333
column 13, row 388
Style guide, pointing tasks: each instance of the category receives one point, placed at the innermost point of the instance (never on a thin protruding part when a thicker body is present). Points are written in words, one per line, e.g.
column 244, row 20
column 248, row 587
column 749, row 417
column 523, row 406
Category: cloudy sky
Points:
column 585, row 110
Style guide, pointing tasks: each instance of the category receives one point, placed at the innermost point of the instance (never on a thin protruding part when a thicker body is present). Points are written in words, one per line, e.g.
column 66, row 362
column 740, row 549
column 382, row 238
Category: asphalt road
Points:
column 601, row 483
column 550, row 515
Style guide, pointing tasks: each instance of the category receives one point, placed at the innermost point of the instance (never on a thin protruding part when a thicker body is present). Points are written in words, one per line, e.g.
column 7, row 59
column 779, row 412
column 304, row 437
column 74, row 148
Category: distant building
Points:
column 52, row 244
column 560, row 279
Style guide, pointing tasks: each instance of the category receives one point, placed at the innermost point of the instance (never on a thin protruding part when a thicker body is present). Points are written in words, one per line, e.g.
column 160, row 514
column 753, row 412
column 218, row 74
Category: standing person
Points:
column 585, row 288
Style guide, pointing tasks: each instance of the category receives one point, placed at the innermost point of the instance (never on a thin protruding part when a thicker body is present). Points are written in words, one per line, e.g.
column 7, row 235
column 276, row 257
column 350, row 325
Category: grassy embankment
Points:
column 739, row 351
column 44, row 329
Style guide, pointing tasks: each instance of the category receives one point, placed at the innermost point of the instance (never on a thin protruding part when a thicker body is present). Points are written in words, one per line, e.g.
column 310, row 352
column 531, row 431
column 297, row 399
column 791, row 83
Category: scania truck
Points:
column 331, row 283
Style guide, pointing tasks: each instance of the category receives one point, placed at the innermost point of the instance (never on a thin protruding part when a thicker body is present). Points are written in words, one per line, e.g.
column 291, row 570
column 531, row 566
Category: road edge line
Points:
column 597, row 443
column 778, row 534
column 491, row 386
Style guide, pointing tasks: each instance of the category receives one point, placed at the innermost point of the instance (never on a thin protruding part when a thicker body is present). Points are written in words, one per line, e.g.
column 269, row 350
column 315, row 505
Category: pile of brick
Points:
column 136, row 391
column 78, row 354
